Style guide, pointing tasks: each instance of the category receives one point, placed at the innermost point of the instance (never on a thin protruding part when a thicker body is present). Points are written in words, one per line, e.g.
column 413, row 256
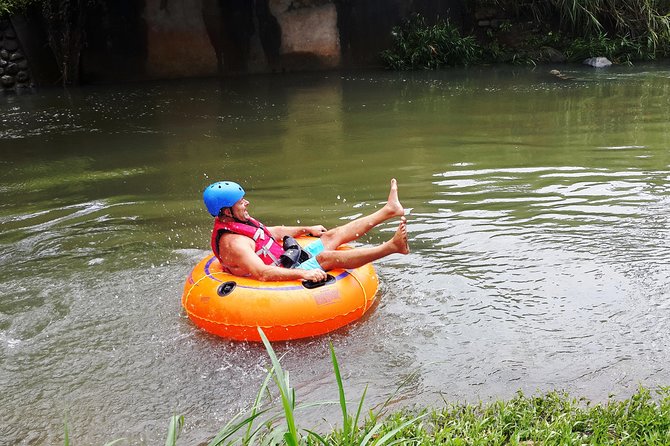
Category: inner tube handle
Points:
column 310, row 284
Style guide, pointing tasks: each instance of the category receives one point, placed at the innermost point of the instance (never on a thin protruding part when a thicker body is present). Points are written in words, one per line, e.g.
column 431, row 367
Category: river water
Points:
column 539, row 219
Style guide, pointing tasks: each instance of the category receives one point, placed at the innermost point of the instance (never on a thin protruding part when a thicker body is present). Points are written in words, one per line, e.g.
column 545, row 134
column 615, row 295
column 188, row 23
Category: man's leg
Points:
column 353, row 258
column 351, row 231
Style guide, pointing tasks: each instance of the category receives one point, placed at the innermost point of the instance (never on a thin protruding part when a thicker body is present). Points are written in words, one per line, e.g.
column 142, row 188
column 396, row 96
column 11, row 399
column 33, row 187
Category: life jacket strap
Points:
column 259, row 234
column 265, row 250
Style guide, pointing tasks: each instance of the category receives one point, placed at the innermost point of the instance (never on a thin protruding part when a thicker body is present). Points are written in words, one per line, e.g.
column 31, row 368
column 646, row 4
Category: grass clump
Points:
column 536, row 31
column 417, row 45
column 551, row 419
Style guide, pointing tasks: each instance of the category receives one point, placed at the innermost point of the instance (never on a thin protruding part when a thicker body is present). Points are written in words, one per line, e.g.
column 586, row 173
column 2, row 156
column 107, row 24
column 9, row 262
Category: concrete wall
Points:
column 158, row 39
column 177, row 42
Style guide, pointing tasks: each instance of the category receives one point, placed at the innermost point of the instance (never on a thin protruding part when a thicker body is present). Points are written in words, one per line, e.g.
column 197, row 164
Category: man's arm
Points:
column 278, row 232
column 239, row 256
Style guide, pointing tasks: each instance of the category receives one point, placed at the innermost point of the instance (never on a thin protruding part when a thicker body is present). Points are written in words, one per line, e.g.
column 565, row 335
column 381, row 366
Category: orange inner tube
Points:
column 233, row 306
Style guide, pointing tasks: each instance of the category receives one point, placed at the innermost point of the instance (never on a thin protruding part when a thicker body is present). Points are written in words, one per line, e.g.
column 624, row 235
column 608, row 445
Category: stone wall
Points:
column 14, row 72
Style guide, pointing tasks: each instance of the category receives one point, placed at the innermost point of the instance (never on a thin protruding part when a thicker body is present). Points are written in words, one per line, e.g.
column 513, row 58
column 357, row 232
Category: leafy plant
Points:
column 621, row 50
column 419, row 46
column 13, row 6
column 645, row 21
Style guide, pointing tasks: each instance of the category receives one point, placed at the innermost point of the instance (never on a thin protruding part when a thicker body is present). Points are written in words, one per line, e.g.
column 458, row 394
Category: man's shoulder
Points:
column 230, row 238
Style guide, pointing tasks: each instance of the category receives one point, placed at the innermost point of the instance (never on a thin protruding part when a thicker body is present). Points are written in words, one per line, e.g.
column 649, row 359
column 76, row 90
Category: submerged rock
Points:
column 597, row 62
column 560, row 75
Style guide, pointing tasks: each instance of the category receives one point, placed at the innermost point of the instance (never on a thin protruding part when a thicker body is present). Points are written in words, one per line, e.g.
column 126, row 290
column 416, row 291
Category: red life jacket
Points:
column 267, row 247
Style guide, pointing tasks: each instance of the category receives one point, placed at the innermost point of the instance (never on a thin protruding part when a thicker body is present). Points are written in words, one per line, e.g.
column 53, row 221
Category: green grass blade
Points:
column 317, row 437
column 287, row 396
column 176, row 423
column 290, row 439
column 257, row 404
column 371, row 432
column 397, row 390
column 343, row 402
column 66, row 439
column 229, row 429
column 360, row 407
column 391, row 433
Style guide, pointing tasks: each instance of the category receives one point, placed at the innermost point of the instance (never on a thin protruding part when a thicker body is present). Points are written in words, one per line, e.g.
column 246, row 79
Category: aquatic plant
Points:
column 417, row 45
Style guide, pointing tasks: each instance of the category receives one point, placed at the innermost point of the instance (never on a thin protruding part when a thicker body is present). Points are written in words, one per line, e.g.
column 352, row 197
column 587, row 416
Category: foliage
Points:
column 552, row 419
column 621, row 50
column 14, row 6
column 645, row 21
column 539, row 31
column 419, row 46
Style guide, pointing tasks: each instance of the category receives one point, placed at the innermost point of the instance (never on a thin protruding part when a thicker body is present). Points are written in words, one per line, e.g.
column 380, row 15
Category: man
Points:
column 247, row 248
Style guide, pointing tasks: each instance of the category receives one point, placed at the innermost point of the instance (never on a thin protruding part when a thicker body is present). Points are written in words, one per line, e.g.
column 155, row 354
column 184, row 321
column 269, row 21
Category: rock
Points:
column 597, row 62
column 553, row 55
column 485, row 13
column 7, row 81
column 499, row 23
column 18, row 55
column 22, row 64
column 10, row 34
column 12, row 69
column 10, row 44
column 560, row 75
column 22, row 76
column 4, row 54
column 2, row 71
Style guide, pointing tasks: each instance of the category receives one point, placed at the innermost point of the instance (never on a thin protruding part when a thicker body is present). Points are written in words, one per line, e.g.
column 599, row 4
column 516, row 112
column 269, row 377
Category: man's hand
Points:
column 316, row 230
column 315, row 275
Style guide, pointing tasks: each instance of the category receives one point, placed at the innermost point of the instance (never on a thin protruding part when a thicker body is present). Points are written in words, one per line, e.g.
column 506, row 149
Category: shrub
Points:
column 419, row 46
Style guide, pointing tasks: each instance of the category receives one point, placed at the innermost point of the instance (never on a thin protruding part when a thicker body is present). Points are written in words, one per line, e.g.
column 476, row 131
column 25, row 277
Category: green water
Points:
column 539, row 216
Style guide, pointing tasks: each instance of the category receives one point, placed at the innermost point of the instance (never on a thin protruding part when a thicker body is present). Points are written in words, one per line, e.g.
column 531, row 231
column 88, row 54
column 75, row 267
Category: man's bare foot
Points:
column 399, row 240
column 393, row 205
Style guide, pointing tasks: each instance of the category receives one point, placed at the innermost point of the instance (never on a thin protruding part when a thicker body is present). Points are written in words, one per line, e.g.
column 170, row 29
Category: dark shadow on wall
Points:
column 116, row 45
column 230, row 26
column 35, row 44
column 269, row 33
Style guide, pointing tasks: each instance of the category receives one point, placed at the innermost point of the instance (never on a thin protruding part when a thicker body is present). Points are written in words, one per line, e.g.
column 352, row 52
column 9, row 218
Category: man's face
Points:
column 239, row 210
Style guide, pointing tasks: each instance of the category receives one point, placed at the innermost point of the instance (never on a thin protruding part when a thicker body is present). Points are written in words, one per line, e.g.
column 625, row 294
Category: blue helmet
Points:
column 221, row 195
